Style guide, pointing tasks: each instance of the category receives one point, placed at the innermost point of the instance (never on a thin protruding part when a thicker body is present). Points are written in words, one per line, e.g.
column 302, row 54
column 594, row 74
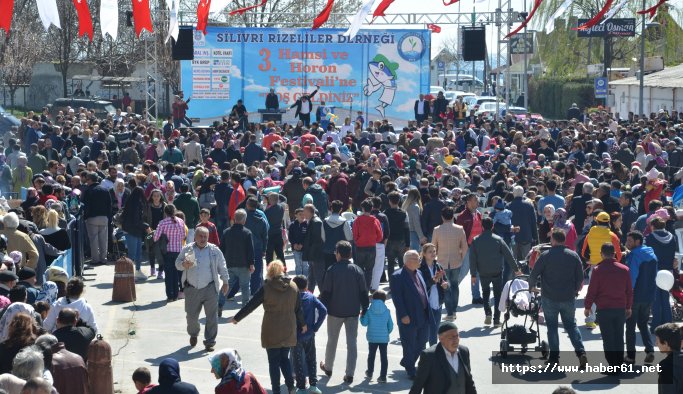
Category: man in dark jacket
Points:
column 258, row 225
column 561, row 273
column 438, row 372
column 275, row 214
column 314, row 315
column 488, row 254
column 252, row 152
column 27, row 278
column 609, row 203
column 431, row 214
column 344, row 294
column 188, row 204
column 319, row 196
column 293, row 190
column 237, row 246
column 97, row 214
column 578, row 206
column 399, row 236
column 523, row 217
column 222, row 193
column 629, row 213
column 642, row 263
column 73, row 332
column 313, row 248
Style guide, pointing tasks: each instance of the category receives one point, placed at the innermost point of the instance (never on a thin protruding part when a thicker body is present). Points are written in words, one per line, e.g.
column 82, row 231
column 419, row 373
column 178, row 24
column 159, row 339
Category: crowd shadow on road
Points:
column 397, row 382
column 185, row 353
column 104, row 285
column 146, row 307
column 478, row 332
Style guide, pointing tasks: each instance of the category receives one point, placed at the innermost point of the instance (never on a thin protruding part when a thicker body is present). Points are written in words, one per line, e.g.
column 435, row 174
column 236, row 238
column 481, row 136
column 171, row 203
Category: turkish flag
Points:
column 84, row 18
column 434, row 28
column 6, row 7
column 324, row 15
column 381, row 8
column 203, row 15
column 141, row 16
column 241, row 11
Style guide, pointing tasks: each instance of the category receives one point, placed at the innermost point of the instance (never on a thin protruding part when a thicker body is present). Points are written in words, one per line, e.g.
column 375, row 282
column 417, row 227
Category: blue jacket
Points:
column 524, row 216
column 309, row 305
column 642, row 264
column 258, row 225
column 253, row 153
column 378, row 321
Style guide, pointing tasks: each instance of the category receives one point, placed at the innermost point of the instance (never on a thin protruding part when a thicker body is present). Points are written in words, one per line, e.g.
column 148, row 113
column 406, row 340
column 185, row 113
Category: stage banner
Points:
column 378, row 72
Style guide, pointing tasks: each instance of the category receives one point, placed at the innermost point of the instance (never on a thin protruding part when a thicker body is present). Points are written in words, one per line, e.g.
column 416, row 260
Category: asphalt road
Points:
column 144, row 332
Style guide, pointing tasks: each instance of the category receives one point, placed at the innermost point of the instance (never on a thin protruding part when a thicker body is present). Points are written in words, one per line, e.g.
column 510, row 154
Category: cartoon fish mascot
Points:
column 382, row 75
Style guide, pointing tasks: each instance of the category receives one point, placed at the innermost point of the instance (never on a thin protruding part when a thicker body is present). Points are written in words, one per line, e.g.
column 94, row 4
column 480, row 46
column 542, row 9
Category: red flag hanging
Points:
column 141, row 16
column 597, row 18
column 381, row 8
column 6, row 10
column 84, row 18
column 526, row 21
column 449, row 2
column 203, row 15
column 241, row 11
column 324, row 15
column 434, row 28
column 652, row 10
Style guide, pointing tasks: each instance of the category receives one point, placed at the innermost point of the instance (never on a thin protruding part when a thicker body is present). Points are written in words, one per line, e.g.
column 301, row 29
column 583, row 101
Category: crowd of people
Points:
column 357, row 205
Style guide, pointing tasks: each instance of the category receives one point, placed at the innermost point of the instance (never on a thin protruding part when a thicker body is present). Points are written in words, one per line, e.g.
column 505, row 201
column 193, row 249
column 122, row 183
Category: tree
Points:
column 451, row 54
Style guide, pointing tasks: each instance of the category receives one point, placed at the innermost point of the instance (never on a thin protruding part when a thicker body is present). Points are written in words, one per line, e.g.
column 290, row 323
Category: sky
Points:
column 463, row 6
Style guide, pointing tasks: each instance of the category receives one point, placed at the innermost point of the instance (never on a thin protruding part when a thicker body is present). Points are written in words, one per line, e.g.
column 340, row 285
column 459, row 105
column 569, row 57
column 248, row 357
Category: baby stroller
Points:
column 519, row 301
column 677, row 294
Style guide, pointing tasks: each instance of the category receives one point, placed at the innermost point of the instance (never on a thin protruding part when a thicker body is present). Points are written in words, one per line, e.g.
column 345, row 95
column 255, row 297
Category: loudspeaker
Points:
column 474, row 44
column 183, row 49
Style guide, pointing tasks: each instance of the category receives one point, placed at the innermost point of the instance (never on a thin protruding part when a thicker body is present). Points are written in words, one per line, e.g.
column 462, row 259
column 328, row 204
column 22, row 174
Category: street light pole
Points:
column 641, row 88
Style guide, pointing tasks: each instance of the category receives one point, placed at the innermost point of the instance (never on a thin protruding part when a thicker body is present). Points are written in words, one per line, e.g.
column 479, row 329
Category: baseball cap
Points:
column 603, row 217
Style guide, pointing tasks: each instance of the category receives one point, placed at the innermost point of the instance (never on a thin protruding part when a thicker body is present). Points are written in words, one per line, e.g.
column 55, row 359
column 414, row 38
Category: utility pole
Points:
column 641, row 87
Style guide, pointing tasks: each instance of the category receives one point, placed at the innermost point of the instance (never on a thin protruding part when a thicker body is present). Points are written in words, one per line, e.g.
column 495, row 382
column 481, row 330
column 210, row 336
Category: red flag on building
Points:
column 245, row 9
column 434, row 28
column 203, row 15
column 141, row 16
column 324, row 15
column 652, row 10
column 6, row 9
column 84, row 18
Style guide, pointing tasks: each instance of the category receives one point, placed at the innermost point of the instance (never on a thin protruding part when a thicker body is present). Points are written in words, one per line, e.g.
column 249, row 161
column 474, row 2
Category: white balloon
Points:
column 665, row 280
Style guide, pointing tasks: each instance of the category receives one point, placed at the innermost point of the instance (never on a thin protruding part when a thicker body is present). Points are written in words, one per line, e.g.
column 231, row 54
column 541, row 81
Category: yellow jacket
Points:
column 597, row 236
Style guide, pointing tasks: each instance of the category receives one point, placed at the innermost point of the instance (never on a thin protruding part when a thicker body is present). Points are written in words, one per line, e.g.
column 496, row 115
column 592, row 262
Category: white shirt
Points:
column 453, row 360
column 421, row 107
column 200, row 275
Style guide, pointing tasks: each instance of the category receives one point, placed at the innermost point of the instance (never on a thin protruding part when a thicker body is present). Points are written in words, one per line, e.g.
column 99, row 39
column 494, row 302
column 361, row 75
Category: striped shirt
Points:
column 174, row 228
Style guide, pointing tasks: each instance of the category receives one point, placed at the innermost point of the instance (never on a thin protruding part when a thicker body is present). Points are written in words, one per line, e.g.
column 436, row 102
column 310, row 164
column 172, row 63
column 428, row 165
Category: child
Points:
column 305, row 346
column 502, row 221
column 668, row 340
column 204, row 216
column 143, row 380
column 378, row 321
column 296, row 233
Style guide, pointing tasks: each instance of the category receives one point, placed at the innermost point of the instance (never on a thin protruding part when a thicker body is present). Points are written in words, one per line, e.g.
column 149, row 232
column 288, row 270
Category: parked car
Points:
column 7, row 121
column 102, row 108
column 520, row 113
column 488, row 109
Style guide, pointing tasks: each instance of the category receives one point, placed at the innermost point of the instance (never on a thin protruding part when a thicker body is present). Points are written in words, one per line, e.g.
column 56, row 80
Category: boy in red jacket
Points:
column 367, row 232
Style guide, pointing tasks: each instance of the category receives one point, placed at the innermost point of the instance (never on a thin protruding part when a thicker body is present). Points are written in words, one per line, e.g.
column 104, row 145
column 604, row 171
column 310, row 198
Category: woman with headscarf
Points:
column 17, row 331
column 169, row 192
column 71, row 161
column 133, row 224
column 282, row 319
column 119, row 195
column 226, row 365
column 169, row 380
column 153, row 182
column 560, row 221
column 546, row 225
column 48, row 293
column 5, row 176
column 154, row 213
column 21, row 175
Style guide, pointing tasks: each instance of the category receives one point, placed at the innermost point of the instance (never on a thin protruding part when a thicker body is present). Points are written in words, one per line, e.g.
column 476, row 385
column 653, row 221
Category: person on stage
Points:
column 239, row 112
column 272, row 101
column 304, row 107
